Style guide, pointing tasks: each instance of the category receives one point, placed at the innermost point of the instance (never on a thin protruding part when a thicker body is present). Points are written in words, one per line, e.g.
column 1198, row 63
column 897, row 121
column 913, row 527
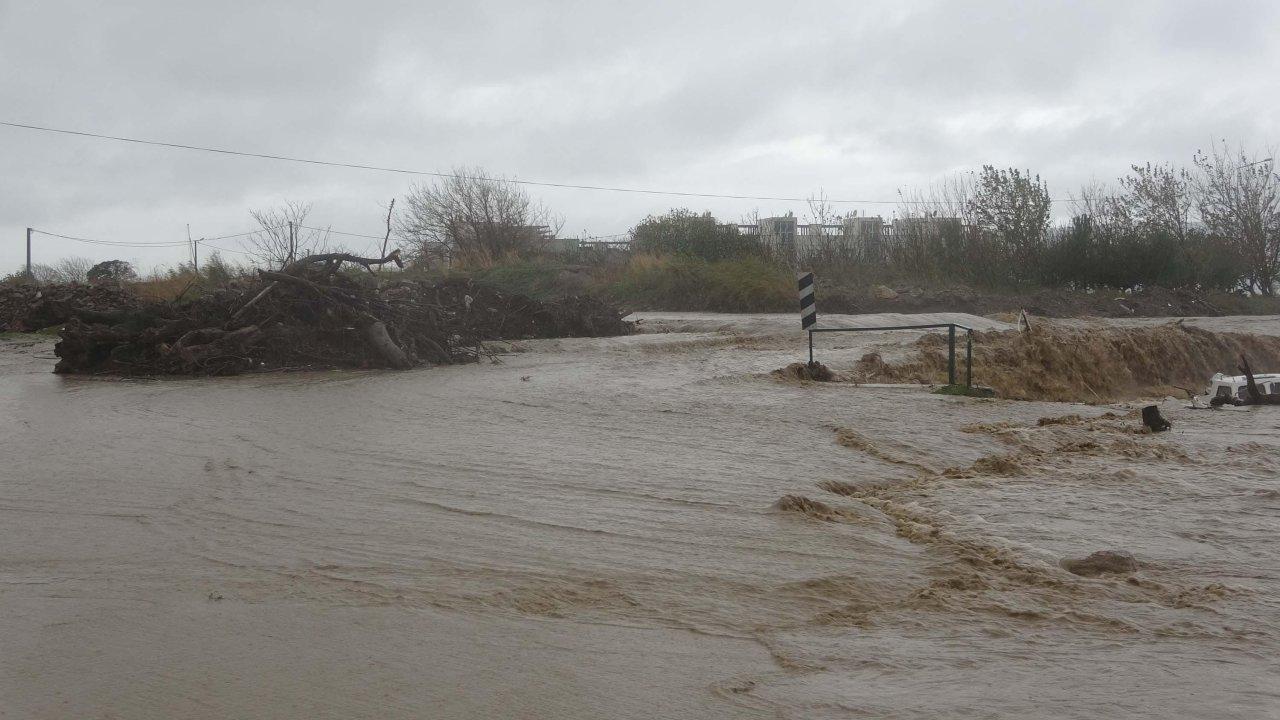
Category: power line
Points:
column 222, row 249
column 113, row 243
column 427, row 173
column 381, row 237
column 243, row 234
column 339, row 232
column 184, row 243
column 165, row 243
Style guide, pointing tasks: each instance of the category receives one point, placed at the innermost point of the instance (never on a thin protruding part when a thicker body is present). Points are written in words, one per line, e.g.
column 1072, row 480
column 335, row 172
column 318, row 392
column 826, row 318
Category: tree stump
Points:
column 1152, row 418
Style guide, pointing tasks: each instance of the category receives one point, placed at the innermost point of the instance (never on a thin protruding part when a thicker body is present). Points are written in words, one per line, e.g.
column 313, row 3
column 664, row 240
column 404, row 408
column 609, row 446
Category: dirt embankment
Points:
column 1099, row 364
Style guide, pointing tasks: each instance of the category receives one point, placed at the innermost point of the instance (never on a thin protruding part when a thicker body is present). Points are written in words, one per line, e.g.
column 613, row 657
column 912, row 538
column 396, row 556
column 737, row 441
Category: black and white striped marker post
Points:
column 808, row 307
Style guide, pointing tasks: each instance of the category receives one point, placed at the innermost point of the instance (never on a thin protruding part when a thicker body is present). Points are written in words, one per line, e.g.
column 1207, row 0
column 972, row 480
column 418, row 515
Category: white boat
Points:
column 1234, row 389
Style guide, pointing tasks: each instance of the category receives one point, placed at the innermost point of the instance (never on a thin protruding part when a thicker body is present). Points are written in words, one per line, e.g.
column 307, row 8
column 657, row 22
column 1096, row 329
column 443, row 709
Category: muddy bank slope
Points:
column 1082, row 364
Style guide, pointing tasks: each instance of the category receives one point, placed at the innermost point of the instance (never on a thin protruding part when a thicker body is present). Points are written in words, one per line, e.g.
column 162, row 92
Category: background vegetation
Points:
column 1210, row 227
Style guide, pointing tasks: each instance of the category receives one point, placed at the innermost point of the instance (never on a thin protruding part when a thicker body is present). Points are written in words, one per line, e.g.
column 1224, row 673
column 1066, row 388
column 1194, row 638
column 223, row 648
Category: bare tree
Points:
column 67, row 270
column 471, row 216
column 64, row 271
column 43, row 274
column 386, row 239
column 930, row 227
column 946, row 198
column 1157, row 198
column 827, row 242
column 1103, row 207
column 1240, row 200
column 284, row 236
column 74, row 269
column 821, row 211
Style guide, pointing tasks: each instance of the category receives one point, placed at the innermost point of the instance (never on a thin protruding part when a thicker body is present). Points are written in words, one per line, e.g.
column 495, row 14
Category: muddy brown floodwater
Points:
column 637, row 527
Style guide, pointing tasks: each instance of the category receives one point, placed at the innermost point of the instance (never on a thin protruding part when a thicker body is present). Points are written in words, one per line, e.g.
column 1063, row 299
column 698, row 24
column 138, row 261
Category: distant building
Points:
column 563, row 246
column 577, row 246
column 861, row 238
column 779, row 233
column 856, row 237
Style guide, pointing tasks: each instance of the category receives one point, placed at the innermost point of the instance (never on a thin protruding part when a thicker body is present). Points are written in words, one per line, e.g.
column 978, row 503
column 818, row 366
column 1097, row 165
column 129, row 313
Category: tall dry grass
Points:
column 166, row 288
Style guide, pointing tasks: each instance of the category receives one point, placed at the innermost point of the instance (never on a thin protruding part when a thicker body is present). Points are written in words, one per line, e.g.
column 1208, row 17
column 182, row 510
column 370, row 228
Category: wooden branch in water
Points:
column 1256, row 396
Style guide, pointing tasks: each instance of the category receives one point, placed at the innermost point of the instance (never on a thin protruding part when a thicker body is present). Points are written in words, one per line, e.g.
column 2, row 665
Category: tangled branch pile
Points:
column 27, row 308
column 314, row 315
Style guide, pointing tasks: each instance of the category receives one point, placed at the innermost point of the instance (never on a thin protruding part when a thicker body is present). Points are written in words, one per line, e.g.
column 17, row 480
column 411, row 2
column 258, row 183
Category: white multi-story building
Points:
column 853, row 236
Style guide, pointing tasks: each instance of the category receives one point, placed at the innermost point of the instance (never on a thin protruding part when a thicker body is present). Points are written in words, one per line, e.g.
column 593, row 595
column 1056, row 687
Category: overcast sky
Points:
column 778, row 99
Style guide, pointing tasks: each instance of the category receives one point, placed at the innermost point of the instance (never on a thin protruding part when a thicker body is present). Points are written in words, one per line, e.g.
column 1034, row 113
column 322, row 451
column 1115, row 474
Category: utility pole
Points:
column 293, row 242
column 195, row 250
column 29, row 275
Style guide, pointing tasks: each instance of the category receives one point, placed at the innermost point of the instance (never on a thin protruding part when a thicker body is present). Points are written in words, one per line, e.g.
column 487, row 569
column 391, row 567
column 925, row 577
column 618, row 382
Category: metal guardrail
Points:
column 951, row 345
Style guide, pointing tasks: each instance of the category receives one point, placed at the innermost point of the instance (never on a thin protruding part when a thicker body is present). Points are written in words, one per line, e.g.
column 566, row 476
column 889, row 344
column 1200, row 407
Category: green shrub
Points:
column 750, row 285
column 525, row 277
column 686, row 233
column 682, row 282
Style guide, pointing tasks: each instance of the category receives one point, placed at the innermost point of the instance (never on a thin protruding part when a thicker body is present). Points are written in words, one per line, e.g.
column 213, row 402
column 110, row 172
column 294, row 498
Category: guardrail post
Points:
column 951, row 354
column 968, row 362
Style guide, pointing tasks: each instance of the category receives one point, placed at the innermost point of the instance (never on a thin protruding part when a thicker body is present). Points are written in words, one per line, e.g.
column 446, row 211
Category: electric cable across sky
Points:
column 430, row 173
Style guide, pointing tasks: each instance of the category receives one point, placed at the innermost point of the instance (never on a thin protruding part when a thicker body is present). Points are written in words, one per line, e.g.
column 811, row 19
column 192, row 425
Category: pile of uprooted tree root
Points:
column 27, row 308
column 313, row 314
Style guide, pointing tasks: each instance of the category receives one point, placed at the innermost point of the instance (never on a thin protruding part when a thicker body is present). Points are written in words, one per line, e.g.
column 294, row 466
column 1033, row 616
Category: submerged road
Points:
column 641, row 527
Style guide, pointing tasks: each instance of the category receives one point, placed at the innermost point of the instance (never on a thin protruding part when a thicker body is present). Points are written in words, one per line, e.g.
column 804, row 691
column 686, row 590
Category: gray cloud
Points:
column 745, row 97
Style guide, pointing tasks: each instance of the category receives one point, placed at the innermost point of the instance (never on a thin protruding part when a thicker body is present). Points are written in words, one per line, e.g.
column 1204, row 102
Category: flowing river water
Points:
column 639, row 527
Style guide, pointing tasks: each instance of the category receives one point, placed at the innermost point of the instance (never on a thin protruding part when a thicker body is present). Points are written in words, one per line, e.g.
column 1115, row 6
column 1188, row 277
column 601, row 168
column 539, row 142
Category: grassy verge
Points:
column 685, row 283
column 47, row 334
column 539, row 280
column 650, row 282
column 965, row 391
